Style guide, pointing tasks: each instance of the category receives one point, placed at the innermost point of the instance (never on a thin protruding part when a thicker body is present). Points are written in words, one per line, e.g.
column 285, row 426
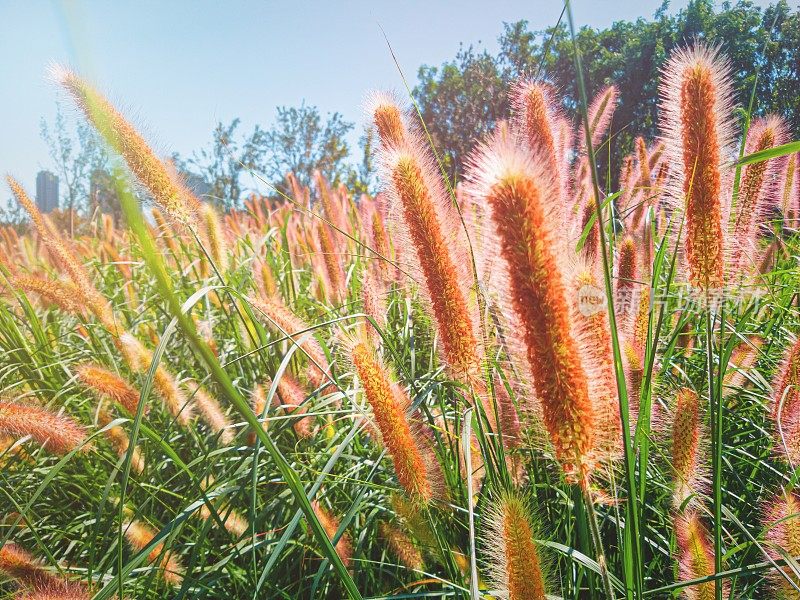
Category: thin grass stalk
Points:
column 633, row 573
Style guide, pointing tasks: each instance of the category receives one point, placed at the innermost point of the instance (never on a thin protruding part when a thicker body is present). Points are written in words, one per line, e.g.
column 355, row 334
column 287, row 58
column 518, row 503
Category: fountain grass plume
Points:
column 333, row 268
column 525, row 206
column 790, row 190
column 593, row 335
column 119, row 440
column 330, row 523
column 163, row 183
column 758, row 194
column 292, row 398
column 58, row 433
column 695, row 556
column 22, row 566
column 782, row 522
column 401, row 546
column 785, row 405
column 109, row 384
column 418, row 471
column 139, row 536
column 288, row 324
column 697, row 128
column 601, row 111
column 509, row 542
column 385, row 110
column 64, row 295
column 211, row 412
column 64, row 257
column 687, row 436
column 627, row 277
column 425, row 217
column 536, row 115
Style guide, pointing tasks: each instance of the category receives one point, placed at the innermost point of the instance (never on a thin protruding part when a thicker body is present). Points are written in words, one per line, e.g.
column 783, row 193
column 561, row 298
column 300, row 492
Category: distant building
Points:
column 46, row 191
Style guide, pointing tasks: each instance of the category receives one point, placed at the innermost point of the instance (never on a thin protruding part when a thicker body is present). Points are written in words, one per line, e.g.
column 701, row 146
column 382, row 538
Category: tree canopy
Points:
column 463, row 98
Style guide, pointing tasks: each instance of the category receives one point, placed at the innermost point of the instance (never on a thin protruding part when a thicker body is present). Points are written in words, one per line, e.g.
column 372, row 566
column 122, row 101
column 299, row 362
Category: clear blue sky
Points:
column 177, row 67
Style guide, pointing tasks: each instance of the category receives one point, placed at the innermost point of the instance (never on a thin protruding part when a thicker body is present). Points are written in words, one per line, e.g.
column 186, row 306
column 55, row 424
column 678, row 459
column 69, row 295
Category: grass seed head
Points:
column 59, row 434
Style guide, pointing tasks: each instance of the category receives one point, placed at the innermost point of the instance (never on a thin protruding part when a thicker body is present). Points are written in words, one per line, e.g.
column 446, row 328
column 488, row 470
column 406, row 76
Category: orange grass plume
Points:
column 425, row 216
column 782, row 523
column 513, row 561
column 58, row 433
column 785, row 405
column 525, row 207
column 418, row 472
column 109, row 384
column 695, row 556
column 696, row 104
column 139, row 536
column 164, row 184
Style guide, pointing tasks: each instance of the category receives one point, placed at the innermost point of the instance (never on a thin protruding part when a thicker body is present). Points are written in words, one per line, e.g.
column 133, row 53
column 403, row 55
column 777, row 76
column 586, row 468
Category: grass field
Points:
column 518, row 385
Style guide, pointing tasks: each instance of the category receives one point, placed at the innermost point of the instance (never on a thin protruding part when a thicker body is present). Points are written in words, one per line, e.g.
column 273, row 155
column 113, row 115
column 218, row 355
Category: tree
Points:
column 300, row 142
column 76, row 155
column 464, row 98
column 222, row 165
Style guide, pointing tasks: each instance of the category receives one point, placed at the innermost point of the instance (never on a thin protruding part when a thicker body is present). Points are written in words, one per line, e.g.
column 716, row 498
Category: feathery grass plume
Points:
column 695, row 556
column 757, row 192
column 537, row 114
column 633, row 362
column 627, row 275
column 742, row 360
column 601, row 111
column 139, row 536
column 344, row 547
column 686, row 435
column 62, row 294
column 644, row 163
column 233, row 522
column 109, row 384
column 164, row 184
column 215, row 235
column 782, row 521
column 789, row 193
column 384, row 110
column 785, row 411
column 61, row 590
column 593, row 333
column 696, row 104
column 626, row 184
column 211, row 412
column 119, row 440
column 372, row 297
column 258, row 403
column 19, row 564
column 64, row 257
column 292, row 398
column 401, row 546
column 417, row 471
column 514, row 564
column 427, row 217
column 330, row 207
column 139, row 358
column 59, row 434
column 525, row 210
column 333, row 268
column 288, row 324
column 509, row 417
